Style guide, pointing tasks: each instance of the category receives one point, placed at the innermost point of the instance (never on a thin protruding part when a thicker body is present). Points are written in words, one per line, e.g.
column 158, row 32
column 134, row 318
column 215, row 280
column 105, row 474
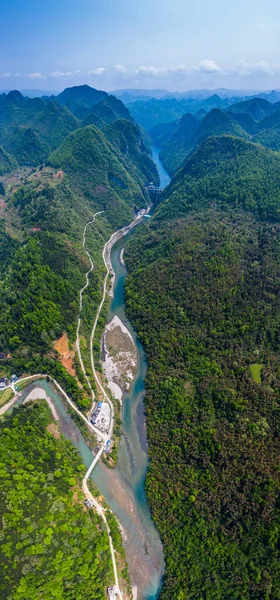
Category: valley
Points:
column 145, row 311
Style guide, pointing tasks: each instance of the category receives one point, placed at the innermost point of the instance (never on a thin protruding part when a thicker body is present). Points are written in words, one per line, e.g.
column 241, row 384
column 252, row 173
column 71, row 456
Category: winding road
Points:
column 104, row 437
column 81, row 304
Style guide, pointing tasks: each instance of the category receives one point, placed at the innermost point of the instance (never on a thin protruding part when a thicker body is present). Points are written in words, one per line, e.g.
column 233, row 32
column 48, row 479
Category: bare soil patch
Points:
column 65, row 354
column 53, row 429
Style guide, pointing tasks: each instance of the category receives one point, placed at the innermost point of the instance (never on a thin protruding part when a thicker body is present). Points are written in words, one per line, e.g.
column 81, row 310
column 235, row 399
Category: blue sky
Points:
column 114, row 44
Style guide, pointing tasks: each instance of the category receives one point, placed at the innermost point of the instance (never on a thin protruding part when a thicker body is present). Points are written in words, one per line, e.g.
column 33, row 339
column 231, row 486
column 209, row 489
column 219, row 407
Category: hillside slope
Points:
column 127, row 137
column 203, row 295
column 66, row 553
column 191, row 133
column 95, row 171
column 31, row 128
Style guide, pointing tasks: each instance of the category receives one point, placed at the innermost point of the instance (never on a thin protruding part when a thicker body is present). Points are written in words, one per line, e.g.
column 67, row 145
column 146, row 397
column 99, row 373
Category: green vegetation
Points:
column 7, row 162
column 203, row 295
column 256, row 371
column 31, row 128
column 175, row 149
column 191, row 133
column 95, row 170
column 38, row 299
column 27, row 146
column 226, row 172
column 50, row 546
column 5, row 396
column 151, row 112
column 161, row 132
column 257, row 108
column 128, row 139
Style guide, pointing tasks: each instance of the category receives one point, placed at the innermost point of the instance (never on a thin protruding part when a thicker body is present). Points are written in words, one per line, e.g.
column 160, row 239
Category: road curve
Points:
column 107, row 262
column 81, row 303
column 99, row 508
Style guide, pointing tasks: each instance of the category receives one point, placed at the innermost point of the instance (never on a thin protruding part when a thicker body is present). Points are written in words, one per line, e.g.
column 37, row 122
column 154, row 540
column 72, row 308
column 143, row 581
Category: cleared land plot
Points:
column 5, row 396
column 256, row 371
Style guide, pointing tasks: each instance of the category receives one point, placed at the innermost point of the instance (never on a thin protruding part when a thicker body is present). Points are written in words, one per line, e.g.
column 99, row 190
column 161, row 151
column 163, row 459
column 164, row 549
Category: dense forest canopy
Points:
column 203, row 295
column 51, row 547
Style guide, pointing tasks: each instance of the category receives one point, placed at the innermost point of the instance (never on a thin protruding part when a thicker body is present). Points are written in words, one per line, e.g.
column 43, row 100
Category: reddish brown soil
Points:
column 66, row 356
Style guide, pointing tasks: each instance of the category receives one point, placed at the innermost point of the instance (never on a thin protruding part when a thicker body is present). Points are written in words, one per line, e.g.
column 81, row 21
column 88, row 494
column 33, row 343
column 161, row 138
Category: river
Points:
column 123, row 487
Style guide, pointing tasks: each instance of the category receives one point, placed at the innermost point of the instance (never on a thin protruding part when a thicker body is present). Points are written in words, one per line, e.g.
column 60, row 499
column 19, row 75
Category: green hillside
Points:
column 27, row 146
column 203, row 295
column 176, row 148
column 151, row 112
column 96, row 172
column 191, row 133
column 109, row 109
column 7, row 162
column 128, row 139
column 226, row 171
column 54, row 123
column 50, row 546
column 31, row 128
column 258, row 108
column 270, row 138
column 245, row 120
column 161, row 132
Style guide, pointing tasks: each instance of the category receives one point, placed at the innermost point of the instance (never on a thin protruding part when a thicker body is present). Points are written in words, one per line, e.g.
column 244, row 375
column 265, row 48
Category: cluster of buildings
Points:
column 94, row 415
column 4, row 382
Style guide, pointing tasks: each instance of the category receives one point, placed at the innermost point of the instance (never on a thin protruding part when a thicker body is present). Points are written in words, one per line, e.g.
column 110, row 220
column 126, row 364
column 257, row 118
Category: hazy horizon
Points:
column 152, row 44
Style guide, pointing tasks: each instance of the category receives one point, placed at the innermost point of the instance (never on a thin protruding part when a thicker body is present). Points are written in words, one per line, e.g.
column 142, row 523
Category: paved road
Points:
column 86, row 491
column 107, row 262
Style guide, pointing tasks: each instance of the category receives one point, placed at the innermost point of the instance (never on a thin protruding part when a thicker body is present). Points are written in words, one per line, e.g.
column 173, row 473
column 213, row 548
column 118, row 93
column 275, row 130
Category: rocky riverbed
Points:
column 119, row 357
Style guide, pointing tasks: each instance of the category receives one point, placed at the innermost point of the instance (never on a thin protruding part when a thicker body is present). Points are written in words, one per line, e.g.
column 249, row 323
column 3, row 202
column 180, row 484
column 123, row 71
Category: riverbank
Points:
column 123, row 487
column 119, row 357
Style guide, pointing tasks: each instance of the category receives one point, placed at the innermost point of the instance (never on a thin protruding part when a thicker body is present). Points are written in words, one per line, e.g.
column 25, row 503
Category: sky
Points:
column 176, row 45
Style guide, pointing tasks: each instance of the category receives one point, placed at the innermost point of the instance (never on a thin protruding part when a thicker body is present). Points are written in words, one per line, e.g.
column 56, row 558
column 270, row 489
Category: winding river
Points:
column 123, row 487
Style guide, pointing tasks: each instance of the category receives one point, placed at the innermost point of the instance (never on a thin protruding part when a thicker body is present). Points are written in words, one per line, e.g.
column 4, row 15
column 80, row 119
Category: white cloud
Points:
column 207, row 70
column 65, row 73
column 155, row 71
column 34, row 76
column 246, row 69
column 99, row 71
column 6, row 75
column 207, row 66
column 120, row 69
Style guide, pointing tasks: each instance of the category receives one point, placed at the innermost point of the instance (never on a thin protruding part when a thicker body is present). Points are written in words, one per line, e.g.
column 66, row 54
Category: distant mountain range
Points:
column 255, row 119
column 32, row 128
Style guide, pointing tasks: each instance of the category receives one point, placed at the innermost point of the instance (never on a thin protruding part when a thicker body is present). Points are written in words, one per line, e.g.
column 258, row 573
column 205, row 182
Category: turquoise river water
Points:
column 123, row 487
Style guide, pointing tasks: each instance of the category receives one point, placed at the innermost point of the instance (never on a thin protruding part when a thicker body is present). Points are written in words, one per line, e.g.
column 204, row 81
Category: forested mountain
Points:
column 127, row 137
column 245, row 120
column 99, row 174
column 150, row 113
column 191, row 133
column 82, row 95
column 27, row 146
column 7, row 162
column 92, row 175
column 43, row 213
column 161, row 132
column 30, row 129
column 258, row 108
column 50, row 546
column 203, row 295
column 254, row 119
